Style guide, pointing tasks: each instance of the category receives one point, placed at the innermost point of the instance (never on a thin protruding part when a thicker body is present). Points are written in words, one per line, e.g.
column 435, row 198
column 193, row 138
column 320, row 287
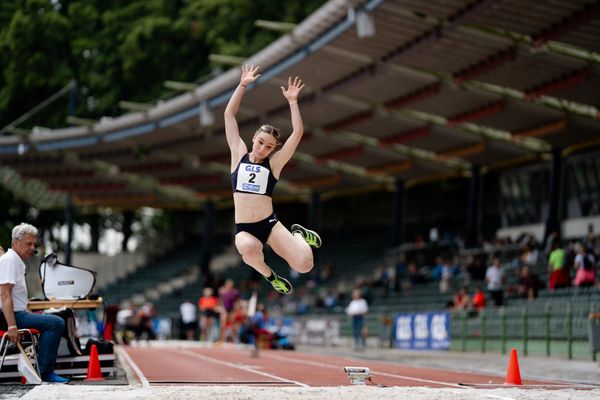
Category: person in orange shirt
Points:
column 209, row 310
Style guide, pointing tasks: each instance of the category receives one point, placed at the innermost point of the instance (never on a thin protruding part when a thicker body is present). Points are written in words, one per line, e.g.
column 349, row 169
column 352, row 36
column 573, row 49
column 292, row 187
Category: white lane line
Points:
column 135, row 368
column 410, row 378
column 242, row 367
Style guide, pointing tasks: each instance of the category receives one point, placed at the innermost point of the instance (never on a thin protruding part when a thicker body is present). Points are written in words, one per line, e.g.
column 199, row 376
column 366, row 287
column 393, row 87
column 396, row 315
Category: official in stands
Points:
column 13, row 302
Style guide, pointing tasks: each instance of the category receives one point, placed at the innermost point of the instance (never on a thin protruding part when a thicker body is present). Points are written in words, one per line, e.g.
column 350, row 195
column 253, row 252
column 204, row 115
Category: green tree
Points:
column 121, row 50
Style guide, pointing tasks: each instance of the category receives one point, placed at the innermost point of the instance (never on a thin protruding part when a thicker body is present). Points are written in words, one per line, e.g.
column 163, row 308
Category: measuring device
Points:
column 358, row 375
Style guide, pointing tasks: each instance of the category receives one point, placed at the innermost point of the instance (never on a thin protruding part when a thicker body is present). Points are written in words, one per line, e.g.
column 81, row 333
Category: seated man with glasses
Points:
column 13, row 302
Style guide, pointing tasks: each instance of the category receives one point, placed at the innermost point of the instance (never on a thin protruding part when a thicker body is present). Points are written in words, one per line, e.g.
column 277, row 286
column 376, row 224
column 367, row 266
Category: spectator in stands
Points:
column 415, row 276
column 328, row 271
column 145, row 322
column 14, row 300
column 357, row 309
column 234, row 321
column 228, row 296
column 187, row 311
column 494, row 277
column 479, row 299
column 208, row 305
column 281, row 335
column 570, row 253
column 127, row 320
column 476, row 268
column 252, row 327
column 446, row 274
column 254, row 176
column 163, row 329
column 330, row 300
column 530, row 283
column 559, row 273
column 462, row 300
column 585, row 275
column 529, row 255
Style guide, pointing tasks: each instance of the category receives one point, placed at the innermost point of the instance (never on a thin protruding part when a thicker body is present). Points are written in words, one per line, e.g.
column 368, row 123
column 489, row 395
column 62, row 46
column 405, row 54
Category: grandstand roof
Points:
column 438, row 88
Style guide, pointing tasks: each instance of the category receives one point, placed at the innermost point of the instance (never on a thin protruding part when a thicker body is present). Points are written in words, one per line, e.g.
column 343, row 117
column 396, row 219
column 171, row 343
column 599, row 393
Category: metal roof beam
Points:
column 32, row 191
column 80, row 121
column 197, row 164
column 546, row 101
column 136, row 106
column 340, row 129
column 277, row 26
column 490, row 133
column 225, row 59
column 180, row 86
column 551, row 46
column 486, row 132
column 344, row 168
column 145, row 183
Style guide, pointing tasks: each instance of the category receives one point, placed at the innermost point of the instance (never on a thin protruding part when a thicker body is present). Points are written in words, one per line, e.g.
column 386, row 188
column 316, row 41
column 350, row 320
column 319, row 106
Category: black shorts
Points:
column 211, row 313
column 260, row 230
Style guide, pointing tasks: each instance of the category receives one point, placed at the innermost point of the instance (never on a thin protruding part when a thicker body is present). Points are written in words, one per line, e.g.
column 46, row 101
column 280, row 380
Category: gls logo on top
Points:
column 253, row 168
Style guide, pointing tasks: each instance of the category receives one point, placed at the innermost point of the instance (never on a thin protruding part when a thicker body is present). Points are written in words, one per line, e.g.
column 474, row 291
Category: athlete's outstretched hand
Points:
column 293, row 89
column 249, row 74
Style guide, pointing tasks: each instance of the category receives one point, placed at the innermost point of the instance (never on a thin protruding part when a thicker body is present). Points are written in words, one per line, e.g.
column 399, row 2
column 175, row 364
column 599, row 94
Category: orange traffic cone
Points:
column 513, row 375
column 94, row 373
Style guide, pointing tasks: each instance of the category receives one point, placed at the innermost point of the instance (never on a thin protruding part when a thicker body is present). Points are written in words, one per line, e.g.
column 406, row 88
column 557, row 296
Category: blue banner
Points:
column 423, row 331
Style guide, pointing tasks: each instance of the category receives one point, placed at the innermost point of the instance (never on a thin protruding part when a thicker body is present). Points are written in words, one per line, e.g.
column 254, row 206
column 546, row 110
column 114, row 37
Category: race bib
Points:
column 252, row 178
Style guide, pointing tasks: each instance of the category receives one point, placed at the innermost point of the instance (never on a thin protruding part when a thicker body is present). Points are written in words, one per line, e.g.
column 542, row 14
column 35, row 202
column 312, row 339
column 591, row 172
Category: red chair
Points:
column 29, row 339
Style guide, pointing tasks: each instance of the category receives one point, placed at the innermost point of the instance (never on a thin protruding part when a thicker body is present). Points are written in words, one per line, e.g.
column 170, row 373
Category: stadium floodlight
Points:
column 364, row 21
column 206, row 116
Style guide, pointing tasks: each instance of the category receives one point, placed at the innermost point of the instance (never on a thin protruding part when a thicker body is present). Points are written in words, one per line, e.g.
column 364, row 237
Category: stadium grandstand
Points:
column 440, row 137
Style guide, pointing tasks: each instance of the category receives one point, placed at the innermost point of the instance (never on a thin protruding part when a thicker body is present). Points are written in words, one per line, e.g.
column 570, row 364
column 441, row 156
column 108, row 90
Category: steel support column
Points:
column 398, row 214
column 554, row 195
column 472, row 233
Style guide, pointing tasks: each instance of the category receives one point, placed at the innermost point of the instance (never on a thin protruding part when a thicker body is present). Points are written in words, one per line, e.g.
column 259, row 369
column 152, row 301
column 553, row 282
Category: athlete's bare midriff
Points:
column 251, row 207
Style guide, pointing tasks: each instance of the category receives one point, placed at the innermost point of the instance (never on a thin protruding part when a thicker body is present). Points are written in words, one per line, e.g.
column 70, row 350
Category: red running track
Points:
column 233, row 366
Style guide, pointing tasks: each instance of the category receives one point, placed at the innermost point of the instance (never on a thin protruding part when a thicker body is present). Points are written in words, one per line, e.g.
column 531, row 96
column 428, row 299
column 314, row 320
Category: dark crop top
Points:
column 253, row 178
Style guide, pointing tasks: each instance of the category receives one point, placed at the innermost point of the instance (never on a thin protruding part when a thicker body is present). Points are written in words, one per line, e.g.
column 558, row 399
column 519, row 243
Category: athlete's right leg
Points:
column 251, row 250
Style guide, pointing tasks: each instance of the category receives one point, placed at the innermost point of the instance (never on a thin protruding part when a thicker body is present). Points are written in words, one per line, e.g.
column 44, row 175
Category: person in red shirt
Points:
column 462, row 301
column 479, row 299
column 208, row 305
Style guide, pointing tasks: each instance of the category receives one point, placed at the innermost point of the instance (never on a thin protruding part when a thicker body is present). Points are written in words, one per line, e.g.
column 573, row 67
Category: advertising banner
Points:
column 423, row 331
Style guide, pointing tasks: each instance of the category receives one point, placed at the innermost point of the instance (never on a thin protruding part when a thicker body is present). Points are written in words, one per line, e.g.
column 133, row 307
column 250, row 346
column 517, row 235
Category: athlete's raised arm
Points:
column 280, row 158
column 236, row 144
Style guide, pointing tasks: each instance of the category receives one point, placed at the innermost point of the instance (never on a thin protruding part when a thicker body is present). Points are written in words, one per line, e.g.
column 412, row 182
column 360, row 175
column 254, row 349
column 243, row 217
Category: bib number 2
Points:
column 252, row 178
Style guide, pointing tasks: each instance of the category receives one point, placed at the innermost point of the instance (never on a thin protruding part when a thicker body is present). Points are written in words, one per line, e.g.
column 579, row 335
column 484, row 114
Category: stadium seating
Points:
column 168, row 266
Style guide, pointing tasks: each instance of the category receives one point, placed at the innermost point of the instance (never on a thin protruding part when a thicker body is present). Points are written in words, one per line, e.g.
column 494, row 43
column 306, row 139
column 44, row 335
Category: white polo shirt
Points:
column 12, row 270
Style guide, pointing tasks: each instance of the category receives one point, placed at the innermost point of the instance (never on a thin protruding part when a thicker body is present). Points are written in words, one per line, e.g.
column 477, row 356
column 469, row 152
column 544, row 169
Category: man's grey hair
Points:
column 23, row 229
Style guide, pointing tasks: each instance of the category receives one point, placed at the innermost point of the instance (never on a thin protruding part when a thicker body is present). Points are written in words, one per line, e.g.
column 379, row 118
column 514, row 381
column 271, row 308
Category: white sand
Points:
column 68, row 392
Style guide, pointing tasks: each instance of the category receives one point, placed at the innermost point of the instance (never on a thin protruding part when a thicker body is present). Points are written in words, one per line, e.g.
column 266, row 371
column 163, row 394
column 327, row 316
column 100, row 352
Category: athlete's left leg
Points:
column 292, row 248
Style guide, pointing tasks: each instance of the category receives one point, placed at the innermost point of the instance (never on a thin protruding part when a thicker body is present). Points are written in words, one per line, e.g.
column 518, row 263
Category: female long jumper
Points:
column 254, row 175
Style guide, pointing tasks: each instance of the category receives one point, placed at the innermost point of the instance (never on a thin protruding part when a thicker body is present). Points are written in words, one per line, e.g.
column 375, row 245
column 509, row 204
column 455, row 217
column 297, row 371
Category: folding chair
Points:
column 29, row 339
